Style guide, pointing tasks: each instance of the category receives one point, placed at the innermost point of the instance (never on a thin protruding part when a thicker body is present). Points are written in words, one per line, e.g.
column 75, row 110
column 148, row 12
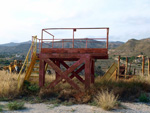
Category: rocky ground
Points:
column 49, row 108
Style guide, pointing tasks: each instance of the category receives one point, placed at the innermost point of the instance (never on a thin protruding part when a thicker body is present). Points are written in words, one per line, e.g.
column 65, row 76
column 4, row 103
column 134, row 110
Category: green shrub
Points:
column 143, row 98
column 1, row 108
column 33, row 88
column 15, row 105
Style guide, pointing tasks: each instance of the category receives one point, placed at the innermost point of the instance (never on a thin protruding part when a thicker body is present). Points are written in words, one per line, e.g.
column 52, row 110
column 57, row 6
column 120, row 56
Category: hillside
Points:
column 22, row 48
column 133, row 47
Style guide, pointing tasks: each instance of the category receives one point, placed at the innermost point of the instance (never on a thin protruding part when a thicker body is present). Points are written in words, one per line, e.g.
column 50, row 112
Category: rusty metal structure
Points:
column 83, row 57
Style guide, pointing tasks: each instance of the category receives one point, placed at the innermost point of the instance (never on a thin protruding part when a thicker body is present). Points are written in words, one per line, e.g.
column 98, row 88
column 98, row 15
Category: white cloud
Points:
column 20, row 19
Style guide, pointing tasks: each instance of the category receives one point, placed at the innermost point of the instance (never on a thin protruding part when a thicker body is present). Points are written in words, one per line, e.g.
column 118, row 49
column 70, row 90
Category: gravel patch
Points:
column 50, row 108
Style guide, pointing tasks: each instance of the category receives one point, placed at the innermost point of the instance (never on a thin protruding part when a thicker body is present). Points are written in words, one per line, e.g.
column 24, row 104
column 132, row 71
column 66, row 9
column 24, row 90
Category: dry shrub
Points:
column 106, row 100
column 8, row 85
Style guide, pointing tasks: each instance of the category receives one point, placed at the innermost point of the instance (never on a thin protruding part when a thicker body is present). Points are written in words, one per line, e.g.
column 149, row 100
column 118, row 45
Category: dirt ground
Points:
column 49, row 108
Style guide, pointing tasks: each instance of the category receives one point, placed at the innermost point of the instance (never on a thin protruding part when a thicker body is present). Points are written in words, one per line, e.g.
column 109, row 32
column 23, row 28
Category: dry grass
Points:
column 106, row 100
column 128, row 90
column 8, row 85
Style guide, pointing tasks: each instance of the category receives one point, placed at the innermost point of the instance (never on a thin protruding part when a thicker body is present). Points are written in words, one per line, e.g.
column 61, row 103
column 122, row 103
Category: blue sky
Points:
column 21, row 19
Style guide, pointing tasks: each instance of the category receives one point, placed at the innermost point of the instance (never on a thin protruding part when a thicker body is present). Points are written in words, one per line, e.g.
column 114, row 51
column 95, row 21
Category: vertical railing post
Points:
column 41, row 38
column 86, row 42
column 107, row 38
column 73, row 38
column 53, row 42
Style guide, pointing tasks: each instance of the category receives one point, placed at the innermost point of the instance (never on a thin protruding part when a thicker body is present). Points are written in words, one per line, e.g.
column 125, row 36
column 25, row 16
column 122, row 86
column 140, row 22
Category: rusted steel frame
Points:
column 71, row 56
column 73, row 38
column 64, row 75
column 41, row 38
column 86, row 42
column 74, row 74
column 107, row 37
column 87, row 71
column 58, row 64
column 76, row 39
column 53, row 42
column 75, row 50
column 78, row 71
column 92, row 71
column 48, row 33
column 39, row 45
column 42, row 73
column 74, row 28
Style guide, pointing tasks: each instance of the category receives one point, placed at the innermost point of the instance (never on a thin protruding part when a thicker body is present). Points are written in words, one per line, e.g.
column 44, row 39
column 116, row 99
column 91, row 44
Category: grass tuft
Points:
column 143, row 98
column 15, row 105
column 106, row 100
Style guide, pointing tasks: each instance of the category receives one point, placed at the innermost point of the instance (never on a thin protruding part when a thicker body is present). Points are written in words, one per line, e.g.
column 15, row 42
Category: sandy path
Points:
column 49, row 108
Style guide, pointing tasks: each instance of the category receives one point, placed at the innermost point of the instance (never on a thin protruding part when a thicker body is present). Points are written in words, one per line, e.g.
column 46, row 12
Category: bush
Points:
column 106, row 100
column 1, row 108
column 15, row 105
column 33, row 88
column 143, row 98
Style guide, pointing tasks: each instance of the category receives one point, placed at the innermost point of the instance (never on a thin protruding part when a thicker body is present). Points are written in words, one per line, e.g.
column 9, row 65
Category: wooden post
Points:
column 143, row 65
column 118, row 67
column 126, row 68
column 148, row 66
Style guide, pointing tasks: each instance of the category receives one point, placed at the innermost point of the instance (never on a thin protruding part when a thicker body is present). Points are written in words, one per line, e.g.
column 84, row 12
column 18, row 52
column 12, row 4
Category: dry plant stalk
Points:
column 106, row 100
column 8, row 86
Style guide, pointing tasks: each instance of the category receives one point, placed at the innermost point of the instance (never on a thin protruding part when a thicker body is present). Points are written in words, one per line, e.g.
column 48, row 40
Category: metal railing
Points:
column 53, row 40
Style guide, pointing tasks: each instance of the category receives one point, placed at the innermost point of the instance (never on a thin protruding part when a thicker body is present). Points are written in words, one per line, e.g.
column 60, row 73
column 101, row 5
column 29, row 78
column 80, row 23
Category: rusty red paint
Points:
column 83, row 56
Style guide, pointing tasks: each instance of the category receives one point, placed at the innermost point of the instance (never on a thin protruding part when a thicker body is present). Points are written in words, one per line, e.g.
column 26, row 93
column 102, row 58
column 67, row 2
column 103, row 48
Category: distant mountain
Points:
column 10, row 44
column 133, row 47
column 15, row 44
column 22, row 48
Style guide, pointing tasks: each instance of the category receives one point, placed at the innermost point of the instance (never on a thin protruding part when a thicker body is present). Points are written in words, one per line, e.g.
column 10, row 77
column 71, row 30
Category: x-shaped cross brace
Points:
column 64, row 75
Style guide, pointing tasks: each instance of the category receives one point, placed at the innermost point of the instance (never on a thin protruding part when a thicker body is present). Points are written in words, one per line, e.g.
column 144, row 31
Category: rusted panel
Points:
column 64, row 74
column 71, row 56
column 74, row 50
column 42, row 73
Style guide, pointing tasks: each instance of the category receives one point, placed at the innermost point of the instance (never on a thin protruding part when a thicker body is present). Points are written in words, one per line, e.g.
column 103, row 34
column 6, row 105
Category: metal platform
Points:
column 84, row 57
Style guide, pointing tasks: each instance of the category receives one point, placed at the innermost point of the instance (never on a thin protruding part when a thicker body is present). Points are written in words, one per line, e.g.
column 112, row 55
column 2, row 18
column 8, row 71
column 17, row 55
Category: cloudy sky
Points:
column 21, row 19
